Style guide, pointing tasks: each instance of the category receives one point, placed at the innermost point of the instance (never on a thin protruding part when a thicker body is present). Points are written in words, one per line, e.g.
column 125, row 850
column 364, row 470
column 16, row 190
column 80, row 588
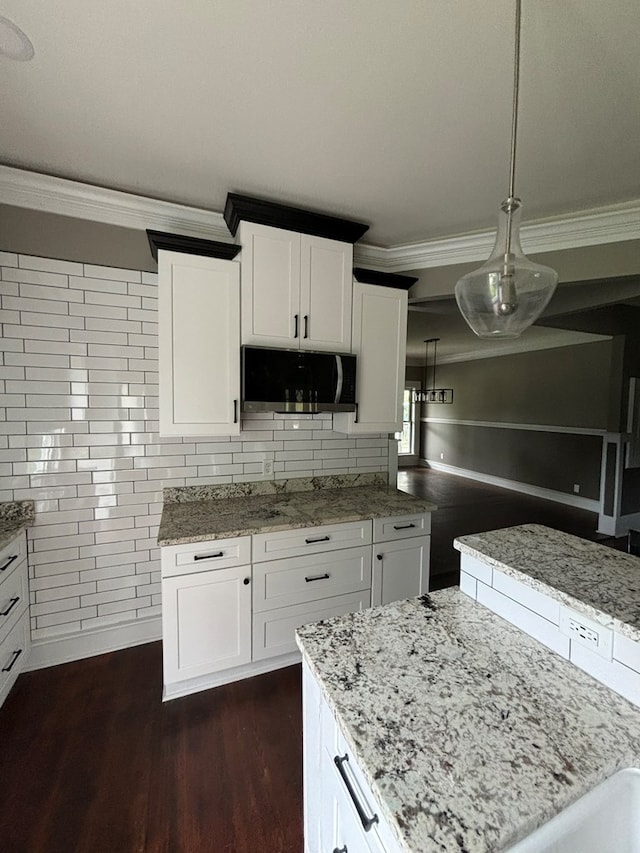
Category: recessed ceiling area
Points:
column 396, row 114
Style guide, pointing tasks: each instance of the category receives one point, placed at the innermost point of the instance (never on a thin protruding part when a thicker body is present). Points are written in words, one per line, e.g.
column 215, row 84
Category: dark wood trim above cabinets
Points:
column 244, row 208
column 190, row 246
column 385, row 279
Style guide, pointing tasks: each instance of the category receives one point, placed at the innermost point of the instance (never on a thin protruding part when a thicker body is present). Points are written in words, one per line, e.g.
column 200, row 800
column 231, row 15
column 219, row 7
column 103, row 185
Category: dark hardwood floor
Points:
column 91, row 761
column 467, row 506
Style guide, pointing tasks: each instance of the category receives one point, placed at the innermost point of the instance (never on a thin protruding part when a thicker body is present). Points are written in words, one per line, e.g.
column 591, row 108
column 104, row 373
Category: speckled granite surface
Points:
column 184, row 494
column 15, row 516
column 470, row 733
column 593, row 579
column 198, row 521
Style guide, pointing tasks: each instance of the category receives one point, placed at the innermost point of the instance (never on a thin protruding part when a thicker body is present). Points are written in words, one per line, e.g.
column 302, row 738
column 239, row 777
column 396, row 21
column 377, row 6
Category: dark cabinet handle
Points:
column 306, row 325
column 379, row 556
column 320, row 539
column 355, row 419
column 340, row 849
column 14, row 601
column 14, row 658
column 367, row 822
column 235, row 411
column 246, row 581
column 403, row 526
column 208, row 556
column 323, row 577
column 8, row 563
column 295, row 328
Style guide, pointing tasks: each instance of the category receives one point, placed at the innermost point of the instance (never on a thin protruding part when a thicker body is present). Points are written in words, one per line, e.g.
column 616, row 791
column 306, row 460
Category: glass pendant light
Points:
column 509, row 292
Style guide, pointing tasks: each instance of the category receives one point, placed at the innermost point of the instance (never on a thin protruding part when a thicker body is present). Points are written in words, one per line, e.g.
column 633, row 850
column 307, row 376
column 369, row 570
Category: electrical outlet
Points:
column 267, row 467
column 576, row 488
column 586, row 632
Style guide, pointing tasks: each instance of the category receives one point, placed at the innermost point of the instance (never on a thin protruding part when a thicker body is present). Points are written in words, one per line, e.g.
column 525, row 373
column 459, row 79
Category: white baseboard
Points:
column 86, row 644
column 205, row 682
column 620, row 525
column 515, row 486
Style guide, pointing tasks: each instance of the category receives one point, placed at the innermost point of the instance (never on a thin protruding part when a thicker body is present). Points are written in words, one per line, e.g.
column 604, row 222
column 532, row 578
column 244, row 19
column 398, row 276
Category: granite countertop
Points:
column 15, row 516
column 471, row 733
column 221, row 513
column 593, row 579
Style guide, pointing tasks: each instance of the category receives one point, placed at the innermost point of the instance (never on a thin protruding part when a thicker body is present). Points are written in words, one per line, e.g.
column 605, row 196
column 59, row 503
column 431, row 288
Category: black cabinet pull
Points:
column 403, row 526
column 295, row 328
column 355, row 419
column 235, row 411
column 367, row 822
column 379, row 556
column 320, row 539
column 14, row 658
column 340, row 849
column 306, row 325
column 323, row 577
column 208, row 556
column 14, row 601
column 8, row 563
column 246, row 581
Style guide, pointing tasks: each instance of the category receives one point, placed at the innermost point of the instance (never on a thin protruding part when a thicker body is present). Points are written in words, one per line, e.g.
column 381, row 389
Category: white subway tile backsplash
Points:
column 79, row 379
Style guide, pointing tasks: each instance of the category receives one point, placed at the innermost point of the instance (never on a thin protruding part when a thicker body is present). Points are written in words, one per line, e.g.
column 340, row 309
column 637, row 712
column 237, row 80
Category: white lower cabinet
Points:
column 230, row 607
column 15, row 631
column 340, row 811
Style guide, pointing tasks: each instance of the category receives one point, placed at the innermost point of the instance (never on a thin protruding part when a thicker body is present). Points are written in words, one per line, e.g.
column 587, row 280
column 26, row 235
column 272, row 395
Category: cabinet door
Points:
column 379, row 342
column 326, row 284
column 400, row 569
column 270, row 286
column 206, row 622
column 199, row 345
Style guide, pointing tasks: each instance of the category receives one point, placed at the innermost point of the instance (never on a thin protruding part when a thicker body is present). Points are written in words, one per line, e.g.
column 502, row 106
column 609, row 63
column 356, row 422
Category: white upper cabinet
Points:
column 296, row 289
column 379, row 342
column 199, row 344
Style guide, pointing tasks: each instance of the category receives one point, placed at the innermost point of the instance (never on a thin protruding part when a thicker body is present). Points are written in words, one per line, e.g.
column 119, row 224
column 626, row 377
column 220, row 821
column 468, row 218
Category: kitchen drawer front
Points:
column 14, row 598
column 274, row 630
column 12, row 555
column 401, row 527
column 14, row 651
column 282, row 583
column 311, row 540
column 204, row 556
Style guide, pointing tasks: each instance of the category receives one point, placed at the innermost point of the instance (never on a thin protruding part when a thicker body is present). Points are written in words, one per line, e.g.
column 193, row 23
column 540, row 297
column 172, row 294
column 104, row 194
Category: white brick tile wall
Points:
column 78, row 435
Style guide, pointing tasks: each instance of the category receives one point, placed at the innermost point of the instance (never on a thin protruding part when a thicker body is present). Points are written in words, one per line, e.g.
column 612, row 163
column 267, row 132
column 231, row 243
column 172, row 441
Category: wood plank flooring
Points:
column 93, row 762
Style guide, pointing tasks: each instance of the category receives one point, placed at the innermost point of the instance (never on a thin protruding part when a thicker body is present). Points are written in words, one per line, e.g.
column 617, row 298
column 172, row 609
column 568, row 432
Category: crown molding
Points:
column 21, row 188
column 605, row 225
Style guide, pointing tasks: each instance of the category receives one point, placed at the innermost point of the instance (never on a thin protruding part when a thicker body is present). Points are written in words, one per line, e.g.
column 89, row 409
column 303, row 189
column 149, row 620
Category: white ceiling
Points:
column 393, row 113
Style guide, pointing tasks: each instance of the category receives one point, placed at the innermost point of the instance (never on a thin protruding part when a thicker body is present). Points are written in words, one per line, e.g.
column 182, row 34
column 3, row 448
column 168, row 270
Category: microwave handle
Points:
column 339, row 379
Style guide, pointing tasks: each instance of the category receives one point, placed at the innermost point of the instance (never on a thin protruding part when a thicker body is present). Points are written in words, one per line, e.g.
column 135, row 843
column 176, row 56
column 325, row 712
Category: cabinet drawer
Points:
column 310, row 540
column 274, row 630
column 401, row 527
column 12, row 555
column 204, row 556
column 282, row 583
column 14, row 651
column 14, row 598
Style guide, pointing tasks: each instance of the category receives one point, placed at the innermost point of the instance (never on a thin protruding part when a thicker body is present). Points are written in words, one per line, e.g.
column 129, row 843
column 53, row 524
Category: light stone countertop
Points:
column 595, row 580
column 15, row 516
column 471, row 734
column 228, row 516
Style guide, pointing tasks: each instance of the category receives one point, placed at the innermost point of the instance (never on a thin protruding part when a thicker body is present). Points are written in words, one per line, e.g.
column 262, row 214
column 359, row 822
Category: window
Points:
column 407, row 439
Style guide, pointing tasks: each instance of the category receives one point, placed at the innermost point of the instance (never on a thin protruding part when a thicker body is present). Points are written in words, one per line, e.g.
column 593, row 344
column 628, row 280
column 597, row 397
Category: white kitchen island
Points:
column 462, row 733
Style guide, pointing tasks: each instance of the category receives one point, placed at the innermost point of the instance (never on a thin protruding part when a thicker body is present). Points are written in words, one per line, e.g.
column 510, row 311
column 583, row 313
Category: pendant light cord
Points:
column 514, row 133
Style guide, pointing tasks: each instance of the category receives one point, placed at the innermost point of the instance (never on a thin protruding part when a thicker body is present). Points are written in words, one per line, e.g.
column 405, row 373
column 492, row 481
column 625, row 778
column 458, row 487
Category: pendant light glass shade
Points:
column 509, row 292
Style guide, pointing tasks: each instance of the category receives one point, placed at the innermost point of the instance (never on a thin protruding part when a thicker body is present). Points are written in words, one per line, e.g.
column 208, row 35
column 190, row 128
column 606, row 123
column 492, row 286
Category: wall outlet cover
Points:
column 587, row 632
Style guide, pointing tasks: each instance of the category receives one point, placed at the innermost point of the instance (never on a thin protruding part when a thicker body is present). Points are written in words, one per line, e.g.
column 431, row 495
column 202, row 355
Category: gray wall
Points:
column 565, row 387
column 47, row 235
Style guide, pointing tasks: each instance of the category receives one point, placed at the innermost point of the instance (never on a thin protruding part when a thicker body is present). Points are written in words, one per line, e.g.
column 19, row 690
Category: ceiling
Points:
column 392, row 113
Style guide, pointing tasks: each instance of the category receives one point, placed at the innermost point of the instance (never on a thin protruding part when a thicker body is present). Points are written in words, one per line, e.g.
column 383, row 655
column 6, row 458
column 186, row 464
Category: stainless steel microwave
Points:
column 290, row 381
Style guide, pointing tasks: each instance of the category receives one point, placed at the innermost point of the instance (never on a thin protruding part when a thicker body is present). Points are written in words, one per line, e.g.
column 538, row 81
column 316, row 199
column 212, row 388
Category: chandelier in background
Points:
column 509, row 292
column 433, row 394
